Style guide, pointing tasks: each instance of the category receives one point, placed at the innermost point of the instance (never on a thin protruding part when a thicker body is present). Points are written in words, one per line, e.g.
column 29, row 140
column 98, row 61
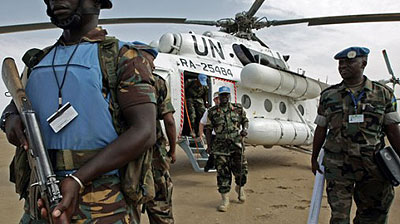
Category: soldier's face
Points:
column 62, row 9
column 224, row 98
column 351, row 68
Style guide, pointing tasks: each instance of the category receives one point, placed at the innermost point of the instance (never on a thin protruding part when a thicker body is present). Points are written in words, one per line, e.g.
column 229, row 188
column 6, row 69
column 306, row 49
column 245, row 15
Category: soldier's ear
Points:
column 364, row 62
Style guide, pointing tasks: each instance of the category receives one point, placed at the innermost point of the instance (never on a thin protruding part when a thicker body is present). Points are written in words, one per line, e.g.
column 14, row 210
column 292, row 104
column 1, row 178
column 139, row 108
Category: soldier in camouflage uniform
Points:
column 353, row 118
column 71, row 73
column 196, row 93
column 226, row 119
column 159, row 209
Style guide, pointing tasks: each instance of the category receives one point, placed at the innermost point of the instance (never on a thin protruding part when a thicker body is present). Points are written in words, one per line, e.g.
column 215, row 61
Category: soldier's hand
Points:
column 243, row 132
column 315, row 166
column 172, row 155
column 15, row 131
column 63, row 212
column 208, row 150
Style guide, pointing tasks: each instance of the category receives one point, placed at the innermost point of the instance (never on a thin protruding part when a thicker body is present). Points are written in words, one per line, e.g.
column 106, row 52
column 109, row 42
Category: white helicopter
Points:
column 281, row 104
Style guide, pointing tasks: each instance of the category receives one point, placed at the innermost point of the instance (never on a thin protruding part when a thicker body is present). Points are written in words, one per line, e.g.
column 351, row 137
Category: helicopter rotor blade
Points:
column 26, row 27
column 48, row 25
column 156, row 20
column 316, row 21
column 254, row 8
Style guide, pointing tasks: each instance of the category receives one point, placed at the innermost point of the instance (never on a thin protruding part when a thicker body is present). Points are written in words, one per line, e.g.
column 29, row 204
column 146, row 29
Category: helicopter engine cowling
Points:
column 263, row 131
column 169, row 43
column 271, row 80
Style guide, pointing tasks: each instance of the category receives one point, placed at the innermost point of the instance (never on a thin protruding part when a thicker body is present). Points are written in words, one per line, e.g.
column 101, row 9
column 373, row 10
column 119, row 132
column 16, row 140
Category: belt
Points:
column 67, row 159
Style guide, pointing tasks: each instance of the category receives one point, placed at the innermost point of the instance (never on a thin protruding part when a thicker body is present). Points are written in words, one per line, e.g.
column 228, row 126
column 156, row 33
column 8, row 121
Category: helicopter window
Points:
column 243, row 53
column 268, row 105
column 246, row 101
column 282, row 107
column 301, row 109
column 268, row 60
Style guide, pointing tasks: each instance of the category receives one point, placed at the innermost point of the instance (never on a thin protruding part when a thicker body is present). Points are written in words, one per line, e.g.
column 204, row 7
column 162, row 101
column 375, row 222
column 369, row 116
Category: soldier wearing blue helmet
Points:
column 353, row 118
column 109, row 85
column 230, row 124
column 196, row 93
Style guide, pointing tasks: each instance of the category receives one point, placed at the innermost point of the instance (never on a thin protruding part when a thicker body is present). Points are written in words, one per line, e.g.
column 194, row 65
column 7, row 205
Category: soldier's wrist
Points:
column 76, row 179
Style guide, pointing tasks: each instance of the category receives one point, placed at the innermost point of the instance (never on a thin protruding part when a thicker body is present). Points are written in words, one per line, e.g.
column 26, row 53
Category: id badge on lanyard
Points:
column 62, row 117
column 356, row 118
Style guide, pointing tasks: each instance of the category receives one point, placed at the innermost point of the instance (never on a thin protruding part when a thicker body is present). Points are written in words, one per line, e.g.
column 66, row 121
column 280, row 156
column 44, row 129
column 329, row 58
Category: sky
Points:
column 310, row 48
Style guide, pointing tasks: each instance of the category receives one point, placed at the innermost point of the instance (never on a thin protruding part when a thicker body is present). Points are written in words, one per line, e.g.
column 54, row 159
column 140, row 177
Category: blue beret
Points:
column 224, row 89
column 146, row 48
column 352, row 52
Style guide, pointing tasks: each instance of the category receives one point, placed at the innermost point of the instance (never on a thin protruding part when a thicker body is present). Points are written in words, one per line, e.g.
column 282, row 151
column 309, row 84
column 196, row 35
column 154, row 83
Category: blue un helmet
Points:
column 203, row 79
column 224, row 89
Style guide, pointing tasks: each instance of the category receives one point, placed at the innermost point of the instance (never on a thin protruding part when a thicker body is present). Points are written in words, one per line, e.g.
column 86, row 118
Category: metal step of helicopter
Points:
column 196, row 152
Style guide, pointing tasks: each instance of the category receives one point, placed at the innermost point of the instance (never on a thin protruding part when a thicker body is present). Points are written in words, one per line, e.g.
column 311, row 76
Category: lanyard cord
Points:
column 65, row 71
column 356, row 100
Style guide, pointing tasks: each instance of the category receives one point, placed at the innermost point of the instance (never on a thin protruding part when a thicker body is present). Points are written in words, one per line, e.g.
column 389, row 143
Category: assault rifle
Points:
column 37, row 154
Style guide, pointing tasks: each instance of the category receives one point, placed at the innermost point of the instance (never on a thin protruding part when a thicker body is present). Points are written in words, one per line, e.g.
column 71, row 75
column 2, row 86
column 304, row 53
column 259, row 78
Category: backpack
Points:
column 138, row 187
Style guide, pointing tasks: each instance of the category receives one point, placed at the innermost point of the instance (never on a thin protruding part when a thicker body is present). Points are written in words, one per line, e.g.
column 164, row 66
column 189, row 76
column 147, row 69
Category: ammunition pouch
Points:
column 20, row 172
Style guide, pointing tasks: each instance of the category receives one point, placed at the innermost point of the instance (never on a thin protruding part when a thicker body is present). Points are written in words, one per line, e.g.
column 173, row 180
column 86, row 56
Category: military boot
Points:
column 223, row 207
column 240, row 191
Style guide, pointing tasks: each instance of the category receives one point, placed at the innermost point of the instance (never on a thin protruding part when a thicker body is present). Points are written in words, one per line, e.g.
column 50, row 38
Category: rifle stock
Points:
column 14, row 85
column 37, row 155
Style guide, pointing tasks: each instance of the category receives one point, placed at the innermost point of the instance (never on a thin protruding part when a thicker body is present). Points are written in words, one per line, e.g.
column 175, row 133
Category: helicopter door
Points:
column 218, row 82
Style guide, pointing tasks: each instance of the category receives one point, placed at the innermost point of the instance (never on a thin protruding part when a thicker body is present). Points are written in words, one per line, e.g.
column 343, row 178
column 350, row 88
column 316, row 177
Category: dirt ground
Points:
column 278, row 191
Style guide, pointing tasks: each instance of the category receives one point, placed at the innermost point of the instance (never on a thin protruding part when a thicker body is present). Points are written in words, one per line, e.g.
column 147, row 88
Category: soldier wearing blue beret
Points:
column 353, row 117
column 352, row 52
column 230, row 124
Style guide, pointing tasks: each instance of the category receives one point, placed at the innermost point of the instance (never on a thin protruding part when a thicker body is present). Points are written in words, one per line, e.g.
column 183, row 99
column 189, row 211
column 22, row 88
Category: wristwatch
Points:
column 4, row 118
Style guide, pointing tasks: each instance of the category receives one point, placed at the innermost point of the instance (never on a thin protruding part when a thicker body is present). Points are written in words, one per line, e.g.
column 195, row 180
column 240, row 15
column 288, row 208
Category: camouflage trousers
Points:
column 226, row 165
column 101, row 202
column 159, row 210
column 372, row 196
column 196, row 110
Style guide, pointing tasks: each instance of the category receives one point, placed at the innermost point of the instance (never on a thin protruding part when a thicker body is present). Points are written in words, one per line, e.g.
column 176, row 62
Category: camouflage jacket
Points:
column 226, row 124
column 195, row 91
column 164, row 106
column 350, row 146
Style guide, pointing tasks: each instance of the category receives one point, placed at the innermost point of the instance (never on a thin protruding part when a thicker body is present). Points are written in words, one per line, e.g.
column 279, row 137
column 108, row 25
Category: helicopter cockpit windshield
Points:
column 246, row 56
